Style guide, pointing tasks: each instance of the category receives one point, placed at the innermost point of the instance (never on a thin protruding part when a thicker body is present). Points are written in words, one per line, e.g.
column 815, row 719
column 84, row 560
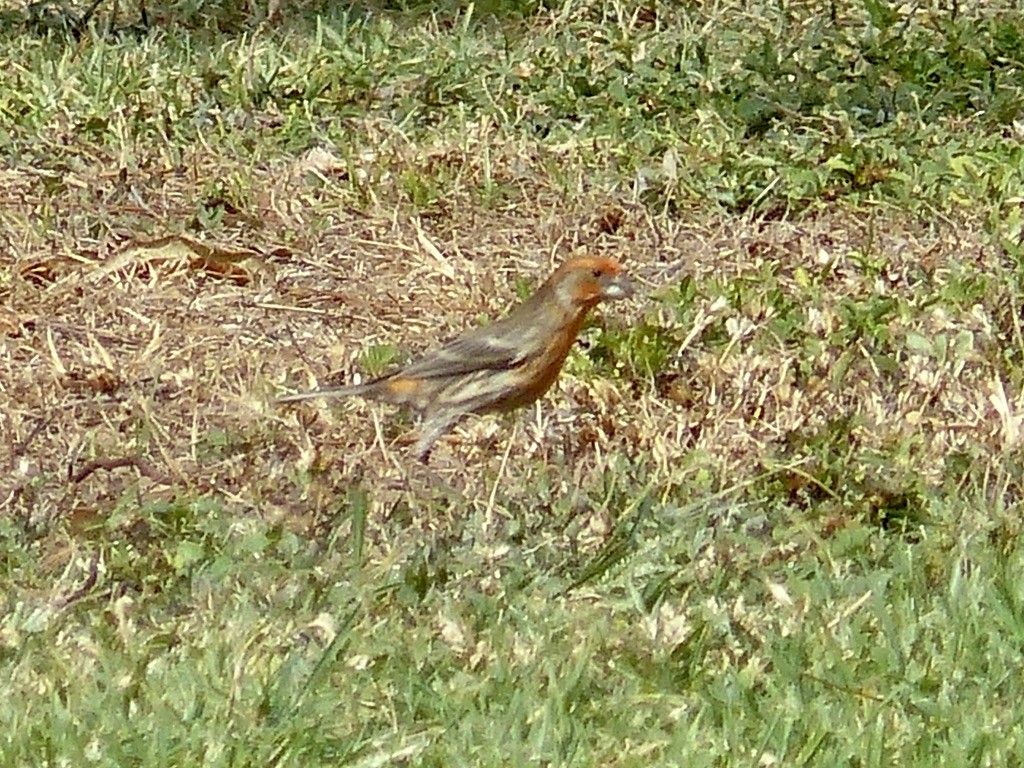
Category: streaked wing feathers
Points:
column 482, row 349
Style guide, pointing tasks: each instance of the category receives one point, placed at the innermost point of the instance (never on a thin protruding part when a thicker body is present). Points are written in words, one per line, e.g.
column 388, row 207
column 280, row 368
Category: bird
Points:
column 507, row 364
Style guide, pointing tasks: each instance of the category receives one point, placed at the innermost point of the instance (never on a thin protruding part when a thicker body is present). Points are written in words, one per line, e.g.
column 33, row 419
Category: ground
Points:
column 768, row 515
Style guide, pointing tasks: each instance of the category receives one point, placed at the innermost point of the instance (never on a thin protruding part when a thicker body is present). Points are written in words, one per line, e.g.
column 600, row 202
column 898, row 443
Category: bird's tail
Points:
column 348, row 391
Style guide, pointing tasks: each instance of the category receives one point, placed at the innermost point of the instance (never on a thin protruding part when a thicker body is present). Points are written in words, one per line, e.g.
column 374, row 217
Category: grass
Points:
column 770, row 515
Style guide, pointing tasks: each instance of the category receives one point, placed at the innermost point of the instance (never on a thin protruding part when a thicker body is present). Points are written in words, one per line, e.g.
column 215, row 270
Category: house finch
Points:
column 498, row 367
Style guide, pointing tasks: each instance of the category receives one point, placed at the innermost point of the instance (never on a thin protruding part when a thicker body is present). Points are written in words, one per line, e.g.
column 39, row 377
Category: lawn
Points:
column 769, row 515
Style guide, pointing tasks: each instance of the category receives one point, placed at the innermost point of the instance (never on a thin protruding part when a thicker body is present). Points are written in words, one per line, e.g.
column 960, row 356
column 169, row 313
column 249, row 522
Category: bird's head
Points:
column 584, row 282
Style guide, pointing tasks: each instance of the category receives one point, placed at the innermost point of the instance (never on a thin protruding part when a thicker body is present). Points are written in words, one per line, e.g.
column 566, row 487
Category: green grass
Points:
column 224, row 641
column 780, row 524
column 776, row 111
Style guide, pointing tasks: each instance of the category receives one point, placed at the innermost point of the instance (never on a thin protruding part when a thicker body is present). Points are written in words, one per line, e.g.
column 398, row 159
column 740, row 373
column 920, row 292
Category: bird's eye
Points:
column 597, row 273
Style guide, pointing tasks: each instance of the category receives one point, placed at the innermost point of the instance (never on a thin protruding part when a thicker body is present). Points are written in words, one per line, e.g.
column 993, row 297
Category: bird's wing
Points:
column 488, row 348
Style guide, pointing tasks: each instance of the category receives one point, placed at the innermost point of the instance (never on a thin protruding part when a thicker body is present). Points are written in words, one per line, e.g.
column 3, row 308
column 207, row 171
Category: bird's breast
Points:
column 536, row 375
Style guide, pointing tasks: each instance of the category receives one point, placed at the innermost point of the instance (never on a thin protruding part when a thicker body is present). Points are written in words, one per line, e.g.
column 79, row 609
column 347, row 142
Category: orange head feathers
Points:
column 584, row 282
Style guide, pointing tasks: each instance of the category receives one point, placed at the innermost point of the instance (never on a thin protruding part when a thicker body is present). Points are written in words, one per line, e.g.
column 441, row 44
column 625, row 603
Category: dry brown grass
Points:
column 137, row 364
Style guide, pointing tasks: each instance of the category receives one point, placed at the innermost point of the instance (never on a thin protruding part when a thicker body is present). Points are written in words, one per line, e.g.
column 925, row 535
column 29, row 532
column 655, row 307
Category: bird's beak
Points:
column 619, row 287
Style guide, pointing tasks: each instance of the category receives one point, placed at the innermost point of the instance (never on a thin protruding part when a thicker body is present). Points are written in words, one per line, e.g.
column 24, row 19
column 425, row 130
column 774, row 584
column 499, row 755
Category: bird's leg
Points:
column 434, row 427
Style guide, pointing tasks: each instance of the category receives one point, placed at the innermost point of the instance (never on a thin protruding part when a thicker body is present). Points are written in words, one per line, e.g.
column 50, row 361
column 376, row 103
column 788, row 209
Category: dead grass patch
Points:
column 140, row 368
